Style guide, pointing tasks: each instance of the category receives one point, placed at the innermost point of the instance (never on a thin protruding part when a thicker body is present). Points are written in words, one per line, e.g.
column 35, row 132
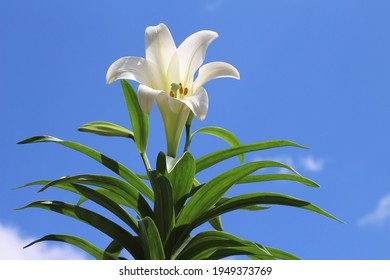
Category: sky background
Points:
column 313, row 72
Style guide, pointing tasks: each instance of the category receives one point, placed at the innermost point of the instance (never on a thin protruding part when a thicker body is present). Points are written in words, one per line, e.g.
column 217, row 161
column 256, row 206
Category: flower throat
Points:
column 178, row 87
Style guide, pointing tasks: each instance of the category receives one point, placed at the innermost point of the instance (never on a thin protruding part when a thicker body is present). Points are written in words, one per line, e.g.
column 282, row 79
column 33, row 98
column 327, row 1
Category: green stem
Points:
column 188, row 132
column 146, row 161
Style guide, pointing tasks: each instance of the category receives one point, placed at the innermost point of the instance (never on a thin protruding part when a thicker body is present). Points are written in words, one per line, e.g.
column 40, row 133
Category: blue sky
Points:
column 314, row 72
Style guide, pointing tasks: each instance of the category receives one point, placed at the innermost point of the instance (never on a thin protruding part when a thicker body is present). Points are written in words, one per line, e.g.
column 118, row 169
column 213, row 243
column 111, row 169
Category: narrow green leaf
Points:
column 274, row 177
column 161, row 163
column 125, row 238
column 64, row 186
column 151, row 239
column 34, row 183
column 163, row 204
column 181, row 177
column 251, row 199
column 111, row 195
column 248, row 208
column 226, row 252
column 111, row 164
column 113, row 250
column 139, row 120
column 211, row 192
column 78, row 242
column 216, row 223
column 134, row 199
column 279, row 254
column 106, row 129
column 218, row 156
column 222, row 133
column 108, row 204
column 143, row 177
column 218, row 244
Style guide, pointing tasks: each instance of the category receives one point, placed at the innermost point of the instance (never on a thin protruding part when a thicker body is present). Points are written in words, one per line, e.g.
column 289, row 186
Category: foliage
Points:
column 169, row 202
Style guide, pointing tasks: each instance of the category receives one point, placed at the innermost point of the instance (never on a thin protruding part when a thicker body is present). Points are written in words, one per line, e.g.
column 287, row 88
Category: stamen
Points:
column 180, row 88
column 185, row 91
column 171, row 94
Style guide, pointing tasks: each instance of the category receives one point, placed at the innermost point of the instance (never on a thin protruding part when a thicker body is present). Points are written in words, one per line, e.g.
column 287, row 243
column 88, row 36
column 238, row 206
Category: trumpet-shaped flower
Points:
column 166, row 75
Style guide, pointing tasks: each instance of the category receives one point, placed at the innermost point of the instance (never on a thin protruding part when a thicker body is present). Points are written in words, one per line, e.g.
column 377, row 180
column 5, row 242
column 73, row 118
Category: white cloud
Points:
column 11, row 248
column 379, row 216
column 312, row 164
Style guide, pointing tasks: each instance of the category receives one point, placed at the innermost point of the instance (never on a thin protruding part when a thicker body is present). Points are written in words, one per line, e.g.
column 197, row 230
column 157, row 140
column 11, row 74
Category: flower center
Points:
column 178, row 91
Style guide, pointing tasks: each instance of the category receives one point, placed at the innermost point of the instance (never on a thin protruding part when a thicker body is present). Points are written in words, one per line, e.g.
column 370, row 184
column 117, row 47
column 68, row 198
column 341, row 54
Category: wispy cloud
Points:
column 380, row 216
column 313, row 164
column 11, row 248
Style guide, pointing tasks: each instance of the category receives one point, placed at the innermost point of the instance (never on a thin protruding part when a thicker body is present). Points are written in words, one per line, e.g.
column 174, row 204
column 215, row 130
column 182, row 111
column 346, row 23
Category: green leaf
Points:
column 222, row 133
column 181, row 177
column 211, row 192
column 106, row 129
column 116, row 232
column 161, row 163
column 113, row 249
column 111, row 195
column 108, row 204
column 163, row 204
column 218, row 156
column 34, row 183
column 151, row 239
column 134, row 199
column 78, row 242
column 274, row 177
column 248, row 208
column 64, row 186
column 216, row 223
column 143, row 177
column 251, row 199
column 139, row 120
column 111, row 164
column 218, row 244
column 279, row 254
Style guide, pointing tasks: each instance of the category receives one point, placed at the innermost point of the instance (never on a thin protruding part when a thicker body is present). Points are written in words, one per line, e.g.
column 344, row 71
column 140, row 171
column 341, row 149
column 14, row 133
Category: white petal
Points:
column 215, row 70
column 130, row 68
column 193, row 51
column 198, row 103
column 173, row 73
column 174, row 114
column 160, row 46
column 146, row 97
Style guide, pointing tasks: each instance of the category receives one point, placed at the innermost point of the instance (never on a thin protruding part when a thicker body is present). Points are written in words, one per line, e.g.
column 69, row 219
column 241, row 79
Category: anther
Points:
column 185, row 91
column 180, row 88
column 171, row 94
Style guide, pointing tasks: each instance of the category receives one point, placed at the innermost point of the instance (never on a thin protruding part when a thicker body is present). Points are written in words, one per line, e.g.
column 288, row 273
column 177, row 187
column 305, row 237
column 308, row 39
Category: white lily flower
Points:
column 166, row 75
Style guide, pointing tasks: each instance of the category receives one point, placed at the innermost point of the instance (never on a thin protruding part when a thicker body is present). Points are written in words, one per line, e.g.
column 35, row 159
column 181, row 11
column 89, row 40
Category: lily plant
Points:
column 166, row 75
column 168, row 201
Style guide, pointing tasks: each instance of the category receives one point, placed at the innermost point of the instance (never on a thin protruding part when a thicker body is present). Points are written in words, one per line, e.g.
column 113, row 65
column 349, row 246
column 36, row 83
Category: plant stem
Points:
column 188, row 132
column 146, row 161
